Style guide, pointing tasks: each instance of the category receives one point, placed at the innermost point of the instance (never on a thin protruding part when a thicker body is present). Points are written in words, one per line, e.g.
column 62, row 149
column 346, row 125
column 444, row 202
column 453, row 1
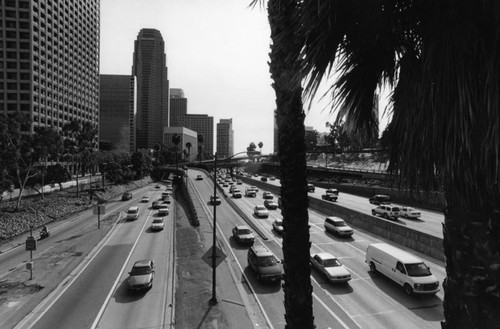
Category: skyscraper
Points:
column 149, row 67
column 203, row 125
column 225, row 147
column 49, row 63
column 178, row 106
column 116, row 115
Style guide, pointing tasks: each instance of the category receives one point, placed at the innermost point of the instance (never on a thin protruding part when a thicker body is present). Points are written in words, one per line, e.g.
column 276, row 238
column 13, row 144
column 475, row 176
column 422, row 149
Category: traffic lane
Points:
column 145, row 309
column 374, row 295
column 80, row 303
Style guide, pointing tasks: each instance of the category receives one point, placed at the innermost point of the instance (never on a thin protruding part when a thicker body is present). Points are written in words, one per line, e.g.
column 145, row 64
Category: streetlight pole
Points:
column 214, row 255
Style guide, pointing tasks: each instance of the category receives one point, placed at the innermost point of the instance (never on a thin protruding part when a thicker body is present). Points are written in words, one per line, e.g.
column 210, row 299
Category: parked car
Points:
column 133, row 213
column 264, row 264
column 250, row 192
column 141, row 275
column 145, row 199
column 330, row 267
column 388, row 211
column 278, row 226
column 199, row 177
column 267, row 195
column 405, row 269
column 338, row 226
column 409, row 212
column 216, row 200
column 263, row 179
column 157, row 224
column 232, row 188
column 310, row 187
column 329, row 197
column 261, row 211
column 270, row 204
column 380, row 199
column 243, row 234
column 156, row 204
column 126, row 196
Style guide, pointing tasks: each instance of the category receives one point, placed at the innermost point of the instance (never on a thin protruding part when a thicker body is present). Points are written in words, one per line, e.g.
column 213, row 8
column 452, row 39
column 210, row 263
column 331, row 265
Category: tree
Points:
column 311, row 139
column 17, row 159
column 176, row 140
column 441, row 60
column 201, row 140
column 57, row 174
column 286, row 74
column 260, row 146
column 47, row 143
column 188, row 146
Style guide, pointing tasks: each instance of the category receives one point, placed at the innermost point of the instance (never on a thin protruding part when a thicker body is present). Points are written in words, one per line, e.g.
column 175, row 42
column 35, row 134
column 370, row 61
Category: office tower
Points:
column 203, row 125
column 116, row 115
column 187, row 136
column 149, row 68
column 49, row 61
column 178, row 106
column 225, row 147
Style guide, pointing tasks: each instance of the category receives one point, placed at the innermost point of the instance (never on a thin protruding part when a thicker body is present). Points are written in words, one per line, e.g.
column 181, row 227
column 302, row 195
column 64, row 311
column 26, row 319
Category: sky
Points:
column 217, row 52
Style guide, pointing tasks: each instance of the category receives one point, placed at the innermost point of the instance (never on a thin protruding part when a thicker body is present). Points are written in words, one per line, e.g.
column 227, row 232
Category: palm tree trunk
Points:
column 284, row 67
column 472, row 250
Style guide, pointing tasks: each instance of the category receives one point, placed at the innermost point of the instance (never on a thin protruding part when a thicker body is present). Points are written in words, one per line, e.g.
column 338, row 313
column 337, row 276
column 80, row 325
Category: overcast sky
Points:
column 217, row 52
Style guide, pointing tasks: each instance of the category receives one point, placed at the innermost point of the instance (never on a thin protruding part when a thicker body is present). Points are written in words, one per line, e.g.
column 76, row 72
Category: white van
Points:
column 402, row 267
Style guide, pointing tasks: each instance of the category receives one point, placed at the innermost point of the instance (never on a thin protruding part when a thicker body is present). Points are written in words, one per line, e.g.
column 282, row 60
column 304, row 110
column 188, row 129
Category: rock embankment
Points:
column 35, row 211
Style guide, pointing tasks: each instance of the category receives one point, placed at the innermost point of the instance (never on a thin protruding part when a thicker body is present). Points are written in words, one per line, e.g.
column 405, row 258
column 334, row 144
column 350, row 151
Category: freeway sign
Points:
column 219, row 256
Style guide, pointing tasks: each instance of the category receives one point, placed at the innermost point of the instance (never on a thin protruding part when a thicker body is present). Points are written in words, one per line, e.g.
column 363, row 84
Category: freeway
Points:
column 431, row 222
column 367, row 301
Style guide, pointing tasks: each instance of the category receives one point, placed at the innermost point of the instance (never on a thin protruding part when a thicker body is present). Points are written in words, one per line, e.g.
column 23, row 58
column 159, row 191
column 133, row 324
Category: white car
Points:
column 261, row 211
column 338, row 226
column 133, row 213
column 330, row 267
column 157, row 224
column 163, row 210
column 145, row 199
column 409, row 212
column 387, row 211
column 141, row 275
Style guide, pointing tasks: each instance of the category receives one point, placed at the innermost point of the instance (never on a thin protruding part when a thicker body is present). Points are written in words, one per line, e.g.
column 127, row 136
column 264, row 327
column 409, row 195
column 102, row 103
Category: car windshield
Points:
column 419, row 269
column 140, row 270
column 279, row 223
column 332, row 262
column 267, row 261
column 260, row 208
column 157, row 221
column 339, row 223
column 133, row 211
column 244, row 231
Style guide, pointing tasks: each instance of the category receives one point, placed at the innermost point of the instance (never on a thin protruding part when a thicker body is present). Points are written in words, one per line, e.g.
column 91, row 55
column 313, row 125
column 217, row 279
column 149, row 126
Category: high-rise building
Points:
column 188, row 138
column 149, row 68
column 178, row 106
column 49, row 61
column 116, row 115
column 225, row 143
column 203, row 125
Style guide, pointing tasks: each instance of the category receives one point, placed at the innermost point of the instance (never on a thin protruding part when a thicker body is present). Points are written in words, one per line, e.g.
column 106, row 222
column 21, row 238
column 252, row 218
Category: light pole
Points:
column 214, row 255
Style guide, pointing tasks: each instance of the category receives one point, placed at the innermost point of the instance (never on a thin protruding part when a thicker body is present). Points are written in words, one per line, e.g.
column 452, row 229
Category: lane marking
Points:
column 108, row 297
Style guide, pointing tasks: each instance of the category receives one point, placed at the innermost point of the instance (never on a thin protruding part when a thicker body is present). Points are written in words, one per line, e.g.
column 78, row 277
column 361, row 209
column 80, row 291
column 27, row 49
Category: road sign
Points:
column 99, row 210
column 219, row 256
column 30, row 243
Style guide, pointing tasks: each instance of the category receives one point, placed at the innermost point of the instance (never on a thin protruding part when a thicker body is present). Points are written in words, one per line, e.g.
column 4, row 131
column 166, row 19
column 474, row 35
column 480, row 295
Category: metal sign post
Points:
column 30, row 246
column 98, row 210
